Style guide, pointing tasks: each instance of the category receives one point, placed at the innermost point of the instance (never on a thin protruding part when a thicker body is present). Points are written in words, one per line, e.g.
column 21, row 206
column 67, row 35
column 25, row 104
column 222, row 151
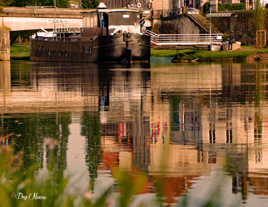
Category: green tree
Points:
column 63, row 3
column 22, row 3
column 6, row 2
column 90, row 4
column 259, row 15
column 206, row 8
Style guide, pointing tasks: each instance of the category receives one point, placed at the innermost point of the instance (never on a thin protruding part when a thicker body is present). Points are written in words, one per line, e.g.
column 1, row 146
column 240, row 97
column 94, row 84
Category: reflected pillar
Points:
column 5, row 77
column 4, row 44
column 5, row 85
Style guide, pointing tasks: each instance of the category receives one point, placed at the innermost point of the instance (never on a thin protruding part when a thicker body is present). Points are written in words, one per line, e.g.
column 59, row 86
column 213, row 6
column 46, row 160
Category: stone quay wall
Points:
column 178, row 25
column 241, row 24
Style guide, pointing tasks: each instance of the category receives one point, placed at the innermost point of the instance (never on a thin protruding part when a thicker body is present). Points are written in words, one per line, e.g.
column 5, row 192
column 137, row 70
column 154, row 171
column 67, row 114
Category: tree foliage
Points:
column 232, row 7
column 90, row 4
column 206, row 8
column 259, row 15
column 23, row 3
column 6, row 2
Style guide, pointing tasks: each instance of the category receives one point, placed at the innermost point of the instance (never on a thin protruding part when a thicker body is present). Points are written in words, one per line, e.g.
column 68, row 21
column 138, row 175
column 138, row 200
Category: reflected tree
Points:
column 29, row 134
column 56, row 144
column 91, row 130
column 55, row 128
column 26, row 137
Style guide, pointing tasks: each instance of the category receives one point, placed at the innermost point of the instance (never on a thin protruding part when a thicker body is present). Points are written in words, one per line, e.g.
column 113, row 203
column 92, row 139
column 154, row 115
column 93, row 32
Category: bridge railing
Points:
column 184, row 39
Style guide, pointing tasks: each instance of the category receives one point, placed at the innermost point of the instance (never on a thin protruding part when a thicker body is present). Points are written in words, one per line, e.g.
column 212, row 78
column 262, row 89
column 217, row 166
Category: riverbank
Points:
column 22, row 52
column 208, row 56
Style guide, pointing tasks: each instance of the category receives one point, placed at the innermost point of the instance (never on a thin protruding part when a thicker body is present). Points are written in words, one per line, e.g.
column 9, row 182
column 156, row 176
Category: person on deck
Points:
column 230, row 41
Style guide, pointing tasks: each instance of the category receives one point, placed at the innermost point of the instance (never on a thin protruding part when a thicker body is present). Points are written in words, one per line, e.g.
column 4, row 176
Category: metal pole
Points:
column 210, row 22
column 162, row 8
column 55, row 7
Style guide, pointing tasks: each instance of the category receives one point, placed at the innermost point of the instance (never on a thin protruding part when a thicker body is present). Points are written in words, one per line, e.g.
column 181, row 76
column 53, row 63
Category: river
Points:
column 207, row 124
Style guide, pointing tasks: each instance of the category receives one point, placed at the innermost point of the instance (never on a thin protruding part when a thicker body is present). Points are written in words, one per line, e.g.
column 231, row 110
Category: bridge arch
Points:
column 20, row 19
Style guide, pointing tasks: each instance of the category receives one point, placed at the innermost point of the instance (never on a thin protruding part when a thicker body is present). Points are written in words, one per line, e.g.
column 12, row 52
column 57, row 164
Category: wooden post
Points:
column 4, row 44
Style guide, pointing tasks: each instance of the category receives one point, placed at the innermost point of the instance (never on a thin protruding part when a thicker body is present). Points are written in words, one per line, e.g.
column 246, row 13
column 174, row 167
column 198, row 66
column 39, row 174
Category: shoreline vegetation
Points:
column 194, row 55
column 22, row 52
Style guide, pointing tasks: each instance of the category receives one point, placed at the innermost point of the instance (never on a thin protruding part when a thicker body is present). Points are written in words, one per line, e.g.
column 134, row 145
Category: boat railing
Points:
column 53, row 39
column 68, row 30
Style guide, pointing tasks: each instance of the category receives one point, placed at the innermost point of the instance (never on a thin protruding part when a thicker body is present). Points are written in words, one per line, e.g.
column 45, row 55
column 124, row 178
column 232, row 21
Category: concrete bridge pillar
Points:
column 4, row 44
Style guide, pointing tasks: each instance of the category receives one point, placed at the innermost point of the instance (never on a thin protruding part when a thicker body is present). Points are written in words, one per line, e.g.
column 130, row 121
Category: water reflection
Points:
column 5, row 77
column 212, row 117
column 91, row 130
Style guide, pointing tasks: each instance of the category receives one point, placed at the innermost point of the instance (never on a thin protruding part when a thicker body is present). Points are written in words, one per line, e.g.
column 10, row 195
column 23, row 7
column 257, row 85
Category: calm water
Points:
column 89, row 119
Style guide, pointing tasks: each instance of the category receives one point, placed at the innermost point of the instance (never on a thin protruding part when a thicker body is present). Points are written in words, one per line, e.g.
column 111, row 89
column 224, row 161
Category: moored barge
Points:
column 106, row 35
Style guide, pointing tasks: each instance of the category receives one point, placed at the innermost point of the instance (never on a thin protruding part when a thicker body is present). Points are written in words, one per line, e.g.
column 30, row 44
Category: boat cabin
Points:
column 112, row 21
column 90, row 19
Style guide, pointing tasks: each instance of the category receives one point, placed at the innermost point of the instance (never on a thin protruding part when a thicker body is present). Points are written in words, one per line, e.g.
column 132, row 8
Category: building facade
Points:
column 135, row 4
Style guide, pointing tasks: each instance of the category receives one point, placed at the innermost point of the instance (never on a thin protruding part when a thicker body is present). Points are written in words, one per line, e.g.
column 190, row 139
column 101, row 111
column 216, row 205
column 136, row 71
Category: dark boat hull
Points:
column 134, row 47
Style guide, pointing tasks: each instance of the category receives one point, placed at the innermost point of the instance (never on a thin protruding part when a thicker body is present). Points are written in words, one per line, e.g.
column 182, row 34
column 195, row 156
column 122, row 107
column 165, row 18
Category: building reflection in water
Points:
column 210, row 116
column 206, row 113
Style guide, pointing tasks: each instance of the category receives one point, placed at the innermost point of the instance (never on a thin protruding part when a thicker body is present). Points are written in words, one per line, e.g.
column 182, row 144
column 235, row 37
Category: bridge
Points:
column 33, row 18
column 18, row 19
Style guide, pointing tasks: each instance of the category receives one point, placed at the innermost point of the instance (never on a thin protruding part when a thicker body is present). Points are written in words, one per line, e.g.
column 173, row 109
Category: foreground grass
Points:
column 169, row 53
column 20, row 51
column 204, row 55
column 22, row 187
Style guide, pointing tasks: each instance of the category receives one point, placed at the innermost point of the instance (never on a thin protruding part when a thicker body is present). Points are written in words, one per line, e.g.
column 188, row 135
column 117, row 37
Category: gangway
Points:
column 184, row 39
